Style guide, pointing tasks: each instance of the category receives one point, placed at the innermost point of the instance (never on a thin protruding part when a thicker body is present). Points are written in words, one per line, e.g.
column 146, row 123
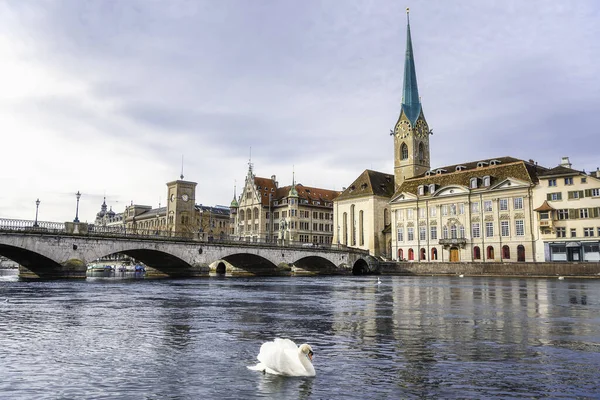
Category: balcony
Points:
column 546, row 224
column 453, row 242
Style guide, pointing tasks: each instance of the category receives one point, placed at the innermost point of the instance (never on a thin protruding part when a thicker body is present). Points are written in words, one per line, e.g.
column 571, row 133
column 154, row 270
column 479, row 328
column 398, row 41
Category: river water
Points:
column 408, row 337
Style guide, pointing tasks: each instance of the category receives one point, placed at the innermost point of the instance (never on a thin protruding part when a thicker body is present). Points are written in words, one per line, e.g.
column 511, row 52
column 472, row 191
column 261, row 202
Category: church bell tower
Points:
column 411, row 133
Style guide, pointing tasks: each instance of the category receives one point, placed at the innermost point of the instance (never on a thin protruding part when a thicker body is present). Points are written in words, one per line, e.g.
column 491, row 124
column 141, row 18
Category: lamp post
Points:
column 78, row 195
column 37, row 206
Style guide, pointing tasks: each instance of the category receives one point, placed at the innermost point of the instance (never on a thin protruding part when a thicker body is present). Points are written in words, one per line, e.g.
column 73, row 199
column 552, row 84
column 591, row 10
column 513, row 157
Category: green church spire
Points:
column 411, row 104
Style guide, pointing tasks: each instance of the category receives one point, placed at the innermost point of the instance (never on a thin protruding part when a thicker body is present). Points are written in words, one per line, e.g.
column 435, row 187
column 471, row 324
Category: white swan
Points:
column 378, row 281
column 283, row 357
column 560, row 278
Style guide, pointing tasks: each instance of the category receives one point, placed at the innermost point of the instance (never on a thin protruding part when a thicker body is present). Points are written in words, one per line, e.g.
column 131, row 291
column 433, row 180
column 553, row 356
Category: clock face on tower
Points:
column 173, row 197
column 403, row 129
column 185, row 197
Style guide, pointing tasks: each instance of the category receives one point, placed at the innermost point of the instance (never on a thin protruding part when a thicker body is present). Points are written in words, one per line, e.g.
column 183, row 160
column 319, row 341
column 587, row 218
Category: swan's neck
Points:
column 306, row 363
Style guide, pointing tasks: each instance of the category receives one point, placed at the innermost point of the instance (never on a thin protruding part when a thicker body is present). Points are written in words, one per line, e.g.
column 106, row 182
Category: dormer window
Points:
column 486, row 180
column 473, row 183
column 421, row 190
column 494, row 162
column 460, row 167
column 439, row 171
column 428, row 173
column 363, row 186
column 432, row 188
column 481, row 164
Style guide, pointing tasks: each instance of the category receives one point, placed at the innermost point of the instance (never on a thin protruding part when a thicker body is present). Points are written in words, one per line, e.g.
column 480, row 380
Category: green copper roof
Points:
column 411, row 105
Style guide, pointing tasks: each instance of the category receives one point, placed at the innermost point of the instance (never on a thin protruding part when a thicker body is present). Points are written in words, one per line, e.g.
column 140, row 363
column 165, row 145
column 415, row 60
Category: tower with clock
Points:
column 411, row 133
column 181, row 206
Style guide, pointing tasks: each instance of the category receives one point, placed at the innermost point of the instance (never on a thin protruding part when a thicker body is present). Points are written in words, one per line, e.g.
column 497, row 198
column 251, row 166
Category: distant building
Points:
column 181, row 217
column 291, row 214
column 567, row 210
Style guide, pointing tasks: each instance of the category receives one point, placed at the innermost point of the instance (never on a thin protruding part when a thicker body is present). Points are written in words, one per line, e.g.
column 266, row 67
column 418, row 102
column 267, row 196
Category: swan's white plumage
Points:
column 283, row 357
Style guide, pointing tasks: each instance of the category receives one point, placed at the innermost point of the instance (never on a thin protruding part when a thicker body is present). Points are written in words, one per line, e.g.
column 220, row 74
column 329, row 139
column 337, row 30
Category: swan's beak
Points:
column 310, row 355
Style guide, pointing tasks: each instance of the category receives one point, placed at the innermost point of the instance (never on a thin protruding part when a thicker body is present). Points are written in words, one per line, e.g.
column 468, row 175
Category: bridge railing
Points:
column 54, row 228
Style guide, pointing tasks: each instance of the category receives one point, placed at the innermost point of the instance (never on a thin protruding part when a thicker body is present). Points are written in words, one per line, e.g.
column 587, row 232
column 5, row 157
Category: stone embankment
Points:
column 538, row 269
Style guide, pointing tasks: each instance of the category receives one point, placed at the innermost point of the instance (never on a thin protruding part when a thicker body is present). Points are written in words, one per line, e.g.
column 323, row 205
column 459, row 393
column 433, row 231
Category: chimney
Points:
column 597, row 172
column 565, row 162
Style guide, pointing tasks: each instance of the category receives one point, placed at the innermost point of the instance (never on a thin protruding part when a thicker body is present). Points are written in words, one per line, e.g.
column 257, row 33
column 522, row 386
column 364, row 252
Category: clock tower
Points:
column 411, row 133
column 181, row 201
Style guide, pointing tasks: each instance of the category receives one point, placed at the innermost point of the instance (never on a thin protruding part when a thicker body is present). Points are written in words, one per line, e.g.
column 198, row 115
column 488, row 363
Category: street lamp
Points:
column 78, row 195
column 37, row 206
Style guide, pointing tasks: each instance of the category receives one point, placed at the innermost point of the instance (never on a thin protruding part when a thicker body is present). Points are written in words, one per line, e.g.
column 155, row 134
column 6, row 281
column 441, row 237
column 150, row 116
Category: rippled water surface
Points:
column 410, row 337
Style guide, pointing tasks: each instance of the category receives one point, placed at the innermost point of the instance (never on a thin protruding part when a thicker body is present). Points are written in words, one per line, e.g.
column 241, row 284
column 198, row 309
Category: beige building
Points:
column 181, row 217
column 479, row 211
column 292, row 214
column 567, row 205
column 362, row 214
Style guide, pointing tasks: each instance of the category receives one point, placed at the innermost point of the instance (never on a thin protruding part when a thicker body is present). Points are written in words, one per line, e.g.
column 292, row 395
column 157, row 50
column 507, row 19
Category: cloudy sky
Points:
column 105, row 97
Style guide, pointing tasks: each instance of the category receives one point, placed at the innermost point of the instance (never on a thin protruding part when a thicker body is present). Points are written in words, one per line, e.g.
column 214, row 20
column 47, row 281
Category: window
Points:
column 432, row 188
column 423, row 254
column 504, row 229
column 475, row 230
column 568, row 181
column 595, row 192
column 544, row 215
column 445, row 210
column 575, row 194
column 573, row 232
column 411, row 254
column 453, row 209
column 421, row 190
column 433, row 211
column 583, row 213
column 400, row 254
column 588, row 232
column 411, row 234
column 400, row 215
column 476, row 253
column 422, row 212
column 461, row 208
column 551, row 182
column 473, row 184
column 563, row 214
column 490, row 253
column 503, row 204
column 404, row 151
column 487, row 205
column 583, row 180
column 409, row 213
column 598, row 231
column 505, row 252
column 423, row 233
column 433, row 233
column 445, row 232
column 475, row 207
column 561, row 232
column 520, row 227
column 434, row 255
column 489, row 229
column 486, row 181
column 518, row 203
column 557, row 196
column 453, row 232
column 461, row 232
column 421, row 155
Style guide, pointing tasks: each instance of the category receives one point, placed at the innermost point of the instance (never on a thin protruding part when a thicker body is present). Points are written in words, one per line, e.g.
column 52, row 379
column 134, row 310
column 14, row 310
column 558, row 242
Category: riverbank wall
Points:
column 543, row 269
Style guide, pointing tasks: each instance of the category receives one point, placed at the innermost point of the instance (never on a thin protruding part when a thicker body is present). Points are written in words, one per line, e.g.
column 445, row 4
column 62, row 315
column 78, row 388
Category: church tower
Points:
column 411, row 133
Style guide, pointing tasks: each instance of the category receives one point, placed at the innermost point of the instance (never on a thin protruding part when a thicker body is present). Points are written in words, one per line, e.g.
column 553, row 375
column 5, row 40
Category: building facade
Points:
column 567, row 212
column 479, row 211
column 181, row 217
column 295, row 214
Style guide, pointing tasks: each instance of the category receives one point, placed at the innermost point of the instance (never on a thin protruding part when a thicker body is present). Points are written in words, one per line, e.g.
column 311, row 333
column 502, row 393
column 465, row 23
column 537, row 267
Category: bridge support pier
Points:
column 71, row 269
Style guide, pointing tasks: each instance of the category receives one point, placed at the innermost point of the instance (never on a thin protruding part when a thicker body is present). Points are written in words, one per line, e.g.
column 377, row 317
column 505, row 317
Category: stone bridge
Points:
column 52, row 255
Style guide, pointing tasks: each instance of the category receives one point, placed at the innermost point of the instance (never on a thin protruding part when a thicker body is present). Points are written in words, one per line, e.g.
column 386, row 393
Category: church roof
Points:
column 498, row 169
column 411, row 104
column 370, row 183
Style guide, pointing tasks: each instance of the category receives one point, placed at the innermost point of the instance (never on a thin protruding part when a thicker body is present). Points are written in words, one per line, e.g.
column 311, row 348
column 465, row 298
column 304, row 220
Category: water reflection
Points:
column 407, row 337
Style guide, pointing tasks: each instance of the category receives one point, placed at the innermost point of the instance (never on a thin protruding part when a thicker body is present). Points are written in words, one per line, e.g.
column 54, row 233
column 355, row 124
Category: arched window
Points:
column 345, row 229
column 386, row 217
column 423, row 254
column 476, row 253
column 411, row 255
column 505, row 252
column 249, row 214
column 445, row 232
column 520, row 253
column 400, row 254
column 434, row 253
column 453, row 232
column 421, row 153
column 490, row 253
column 361, row 230
column 255, row 213
column 404, row 151
column 242, row 215
column 353, row 225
